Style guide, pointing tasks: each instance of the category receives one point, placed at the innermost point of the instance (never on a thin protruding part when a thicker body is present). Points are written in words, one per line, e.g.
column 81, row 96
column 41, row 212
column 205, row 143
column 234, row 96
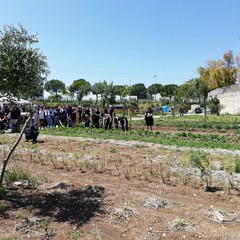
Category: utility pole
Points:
column 155, row 88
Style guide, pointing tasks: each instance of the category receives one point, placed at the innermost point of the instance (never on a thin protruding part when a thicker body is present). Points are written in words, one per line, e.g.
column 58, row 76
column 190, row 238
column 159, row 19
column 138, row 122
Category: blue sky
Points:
column 128, row 41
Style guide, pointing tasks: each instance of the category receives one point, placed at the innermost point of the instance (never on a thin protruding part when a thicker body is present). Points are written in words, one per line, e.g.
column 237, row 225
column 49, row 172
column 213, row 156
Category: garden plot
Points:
column 97, row 189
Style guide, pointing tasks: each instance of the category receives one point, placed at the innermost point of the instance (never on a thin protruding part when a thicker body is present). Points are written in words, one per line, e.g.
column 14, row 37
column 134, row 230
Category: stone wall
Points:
column 229, row 98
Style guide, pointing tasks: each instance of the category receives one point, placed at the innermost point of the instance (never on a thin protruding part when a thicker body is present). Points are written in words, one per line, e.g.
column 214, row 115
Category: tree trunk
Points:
column 205, row 111
column 5, row 161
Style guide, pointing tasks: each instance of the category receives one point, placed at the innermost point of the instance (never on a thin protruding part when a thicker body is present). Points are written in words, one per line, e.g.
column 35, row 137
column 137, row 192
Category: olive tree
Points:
column 23, row 69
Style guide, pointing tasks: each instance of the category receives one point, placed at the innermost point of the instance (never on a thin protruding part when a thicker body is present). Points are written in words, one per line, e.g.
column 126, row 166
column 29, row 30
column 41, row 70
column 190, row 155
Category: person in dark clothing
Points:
column 14, row 118
column 31, row 133
column 112, row 114
column 123, row 123
column 149, row 118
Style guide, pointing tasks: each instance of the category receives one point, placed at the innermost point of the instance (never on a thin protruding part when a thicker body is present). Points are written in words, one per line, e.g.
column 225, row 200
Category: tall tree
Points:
column 107, row 94
column 188, row 91
column 221, row 73
column 81, row 87
column 229, row 70
column 170, row 90
column 54, row 86
column 139, row 90
column 98, row 89
column 22, row 67
column 155, row 88
column 120, row 90
column 111, row 93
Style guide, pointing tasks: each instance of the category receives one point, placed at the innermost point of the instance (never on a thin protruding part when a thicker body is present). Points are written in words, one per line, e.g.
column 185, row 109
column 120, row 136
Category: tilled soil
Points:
column 105, row 189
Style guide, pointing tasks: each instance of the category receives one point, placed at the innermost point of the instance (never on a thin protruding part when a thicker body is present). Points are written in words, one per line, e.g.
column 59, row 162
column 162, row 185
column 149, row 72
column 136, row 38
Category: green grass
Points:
column 186, row 139
column 16, row 175
column 195, row 122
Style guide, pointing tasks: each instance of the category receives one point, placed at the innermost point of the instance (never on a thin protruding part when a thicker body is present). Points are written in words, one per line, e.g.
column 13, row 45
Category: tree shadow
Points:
column 76, row 206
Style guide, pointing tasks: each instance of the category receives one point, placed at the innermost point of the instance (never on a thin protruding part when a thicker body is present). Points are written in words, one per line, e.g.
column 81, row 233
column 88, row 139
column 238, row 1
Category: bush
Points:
column 14, row 175
column 214, row 105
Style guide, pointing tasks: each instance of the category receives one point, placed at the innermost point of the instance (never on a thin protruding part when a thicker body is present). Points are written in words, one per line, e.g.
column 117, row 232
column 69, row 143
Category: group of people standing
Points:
column 49, row 117
column 9, row 118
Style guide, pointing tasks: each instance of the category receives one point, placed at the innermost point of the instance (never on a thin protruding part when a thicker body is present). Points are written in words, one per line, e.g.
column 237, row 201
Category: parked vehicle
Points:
column 198, row 110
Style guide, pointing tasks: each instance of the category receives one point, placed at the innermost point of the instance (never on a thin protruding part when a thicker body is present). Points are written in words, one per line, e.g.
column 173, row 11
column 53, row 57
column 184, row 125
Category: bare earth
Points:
column 105, row 189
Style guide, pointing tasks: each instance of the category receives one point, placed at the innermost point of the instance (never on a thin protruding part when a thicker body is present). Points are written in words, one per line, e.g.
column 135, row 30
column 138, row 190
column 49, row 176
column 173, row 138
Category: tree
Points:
column 120, row 90
column 37, row 93
column 108, row 93
column 203, row 91
column 170, row 90
column 229, row 70
column 155, row 88
column 216, row 74
column 139, row 90
column 80, row 87
column 111, row 93
column 6, row 160
column 127, row 91
column 188, row 92
column 98, row 89
column 221, row 73
column 214, row 105
column 23, row 69
column 54, row 86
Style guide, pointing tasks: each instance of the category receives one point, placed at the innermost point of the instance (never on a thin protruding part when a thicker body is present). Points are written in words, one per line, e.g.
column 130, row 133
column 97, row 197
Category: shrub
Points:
column 203, row 161
column 14, row 175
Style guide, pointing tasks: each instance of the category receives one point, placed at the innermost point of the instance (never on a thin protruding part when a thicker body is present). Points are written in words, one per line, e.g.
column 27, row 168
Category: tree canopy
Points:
column 23, row 68
column 81, row 87
column 221, row 73
column 188, row 92
column 139, row 90
column 54, row 86
column 155, row 88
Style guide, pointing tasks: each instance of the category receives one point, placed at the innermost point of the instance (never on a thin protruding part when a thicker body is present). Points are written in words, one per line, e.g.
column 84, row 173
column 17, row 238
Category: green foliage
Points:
column 44, row 223
column 81, row 87
column 219, row 73
column 169, row 90
column 139, row 90
column 229, row 166
column 75, row 234
column 203, row 161
column 156, row 88
column 15, row 175
column 188, row 91
column 214, row 105
column 184, row 138
column 237, row 167
column 23, row 68
column 54, row 86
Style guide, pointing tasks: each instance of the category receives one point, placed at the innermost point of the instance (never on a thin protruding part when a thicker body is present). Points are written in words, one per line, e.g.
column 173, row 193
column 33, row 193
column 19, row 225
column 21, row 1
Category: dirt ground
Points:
column 105, row 189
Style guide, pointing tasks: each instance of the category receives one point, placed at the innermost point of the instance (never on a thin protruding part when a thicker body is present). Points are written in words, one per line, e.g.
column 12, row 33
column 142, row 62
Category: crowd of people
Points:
column 49, row 117
column 9, row 118
column 68, row 116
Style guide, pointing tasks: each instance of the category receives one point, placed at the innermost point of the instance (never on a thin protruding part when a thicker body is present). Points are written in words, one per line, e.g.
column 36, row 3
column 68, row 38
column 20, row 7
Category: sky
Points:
column 128, row 41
